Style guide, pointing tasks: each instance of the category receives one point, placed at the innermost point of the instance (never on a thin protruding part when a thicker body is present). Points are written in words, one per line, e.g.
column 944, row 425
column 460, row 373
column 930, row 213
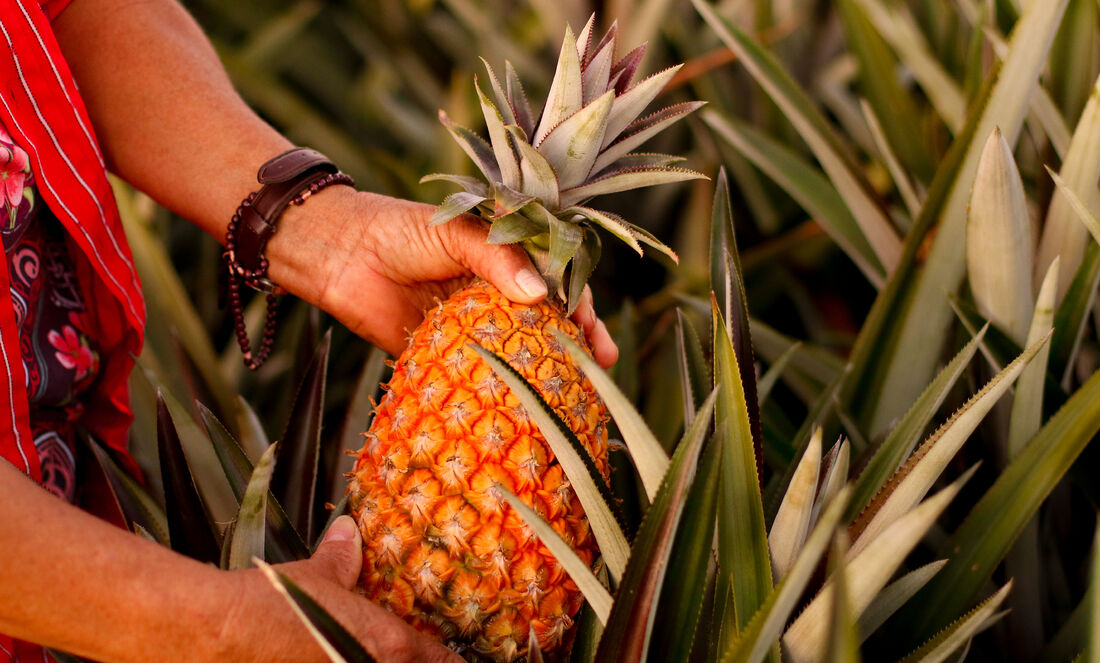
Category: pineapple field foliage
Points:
column 860, row 407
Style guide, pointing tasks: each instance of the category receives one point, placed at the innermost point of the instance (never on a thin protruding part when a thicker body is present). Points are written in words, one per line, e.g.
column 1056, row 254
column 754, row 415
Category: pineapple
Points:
column 442, row 548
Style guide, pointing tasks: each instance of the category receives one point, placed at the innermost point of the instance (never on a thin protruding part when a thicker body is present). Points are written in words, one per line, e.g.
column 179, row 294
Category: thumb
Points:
column 506, row 267
column 339, row 556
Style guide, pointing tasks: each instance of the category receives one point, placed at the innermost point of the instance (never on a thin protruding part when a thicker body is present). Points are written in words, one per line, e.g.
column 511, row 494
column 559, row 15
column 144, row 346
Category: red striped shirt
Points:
column 42, row 110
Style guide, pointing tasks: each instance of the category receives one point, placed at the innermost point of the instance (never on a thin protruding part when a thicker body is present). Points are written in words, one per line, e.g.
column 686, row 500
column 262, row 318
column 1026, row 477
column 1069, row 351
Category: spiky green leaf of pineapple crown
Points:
column 541, row 175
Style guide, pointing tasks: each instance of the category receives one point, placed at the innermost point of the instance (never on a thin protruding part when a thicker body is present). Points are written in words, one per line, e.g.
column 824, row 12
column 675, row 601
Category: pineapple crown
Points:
column 540, row 175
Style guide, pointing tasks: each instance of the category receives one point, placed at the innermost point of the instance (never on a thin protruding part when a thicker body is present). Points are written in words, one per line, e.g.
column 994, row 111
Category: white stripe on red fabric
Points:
column 57, row 75
column 83, row 183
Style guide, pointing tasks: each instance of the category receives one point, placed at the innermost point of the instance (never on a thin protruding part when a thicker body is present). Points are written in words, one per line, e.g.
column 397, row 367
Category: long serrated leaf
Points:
column 479, row 151
column 1092, row 647
column 630, row 104
column 189, row 526
column 294, row 482
column 866, row 573
column 468, row 184
column 515, row 228
column 625, row 181
column 999, row 247
column 650, row 458
column 284, row 543
column 815, row 131
column 917, row 476
column 339, row 645
column 641, row 131
column 894, row 595
column 454, row 205
column 889, row 456
column 566, row 91
column 501, row 143
column 901, row 179
column 630, row 626
column 842, row 645
column 586, row 481
column 565, row 239
column 250, row 528
column 694, row 372
column 920, row 327
column 594, row 592
column 584, row 263
column 612, row 223
column 138, row 507
column 805, row 183
column 755, row 641
column 689, row 566
column 742, row 540
column 1003, row 512
column 946, row 642
column 792, row 521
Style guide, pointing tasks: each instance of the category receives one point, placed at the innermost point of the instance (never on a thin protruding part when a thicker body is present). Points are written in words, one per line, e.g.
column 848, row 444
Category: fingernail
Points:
column 341, row 530
column 531, row 284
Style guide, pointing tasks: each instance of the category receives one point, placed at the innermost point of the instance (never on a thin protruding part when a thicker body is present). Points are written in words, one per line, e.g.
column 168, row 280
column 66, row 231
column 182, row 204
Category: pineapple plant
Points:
column 443, row 548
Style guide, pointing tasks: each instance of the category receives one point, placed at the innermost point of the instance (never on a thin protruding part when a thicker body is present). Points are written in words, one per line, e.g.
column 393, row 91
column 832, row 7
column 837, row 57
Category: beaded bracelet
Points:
column 288, row 179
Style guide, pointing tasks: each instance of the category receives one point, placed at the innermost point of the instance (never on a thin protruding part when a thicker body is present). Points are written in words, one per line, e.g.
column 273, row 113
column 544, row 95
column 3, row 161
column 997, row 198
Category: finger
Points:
column 604, row 349
column 506, row 267
column 339, row 556
column 585, row 314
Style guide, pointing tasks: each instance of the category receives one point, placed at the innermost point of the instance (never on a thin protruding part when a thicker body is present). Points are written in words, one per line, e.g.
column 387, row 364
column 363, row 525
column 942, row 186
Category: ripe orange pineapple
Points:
column 442, row 548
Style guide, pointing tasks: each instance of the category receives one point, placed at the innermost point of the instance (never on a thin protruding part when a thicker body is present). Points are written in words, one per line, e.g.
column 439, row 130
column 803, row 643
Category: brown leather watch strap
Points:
column 283, row 177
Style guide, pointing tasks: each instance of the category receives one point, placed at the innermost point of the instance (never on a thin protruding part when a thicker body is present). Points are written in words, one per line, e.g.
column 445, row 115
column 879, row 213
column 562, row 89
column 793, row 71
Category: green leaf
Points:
column 626, row 180
column 284, row 543
column 895, row 595
column 921, row 328
column 578, row 467
column 771, row 376
column 814, row 129
column 189, row 524
column 641, row 131
column 566, row 91
column 695, row 377
column 650, row 458
column 630, row 104
column 999, row 247
column 480, row 152
column 339, row 645
column 917, row 476
column 805, row 183
column 755, row 641
column 792, row 521
column 1092, row 651
column 294, row 482
column 612, row 223
column 629, row 629
column 866, row 573
column 572, row 146
column 689, row 567
column 539, row 178
column 842, row 645
column 584, row 263
column 991, row 527
column 565, row 241
column 1027, row 404
column 250, row 528
column 514, row 228
column 254, row 438
column 498, row 137
column 471, row 185
column 594, row 592
column 742, row 540
column 138, row 507
column 454, row 205
column 962, row 631
column 889, row 456
column 1072, row 315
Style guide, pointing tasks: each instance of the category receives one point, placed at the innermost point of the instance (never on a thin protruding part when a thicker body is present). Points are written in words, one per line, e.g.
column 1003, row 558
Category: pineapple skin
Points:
column 442, row 548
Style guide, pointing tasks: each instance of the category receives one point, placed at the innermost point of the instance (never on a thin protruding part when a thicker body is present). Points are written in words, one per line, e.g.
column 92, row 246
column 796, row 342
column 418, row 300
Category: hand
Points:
column 329, row 577
column 380, row 265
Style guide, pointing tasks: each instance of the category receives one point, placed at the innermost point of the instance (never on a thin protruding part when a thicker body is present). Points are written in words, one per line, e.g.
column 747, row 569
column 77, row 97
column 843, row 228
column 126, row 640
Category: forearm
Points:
column 163, row 108
column 74, row 582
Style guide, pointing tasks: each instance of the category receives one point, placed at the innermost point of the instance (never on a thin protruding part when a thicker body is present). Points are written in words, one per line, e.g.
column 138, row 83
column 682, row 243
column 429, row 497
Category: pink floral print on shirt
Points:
column 73, row 351
column 14, row 168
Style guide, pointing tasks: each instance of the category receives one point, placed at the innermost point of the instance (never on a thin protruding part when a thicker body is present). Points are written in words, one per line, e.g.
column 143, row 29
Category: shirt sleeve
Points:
column 53, row 8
